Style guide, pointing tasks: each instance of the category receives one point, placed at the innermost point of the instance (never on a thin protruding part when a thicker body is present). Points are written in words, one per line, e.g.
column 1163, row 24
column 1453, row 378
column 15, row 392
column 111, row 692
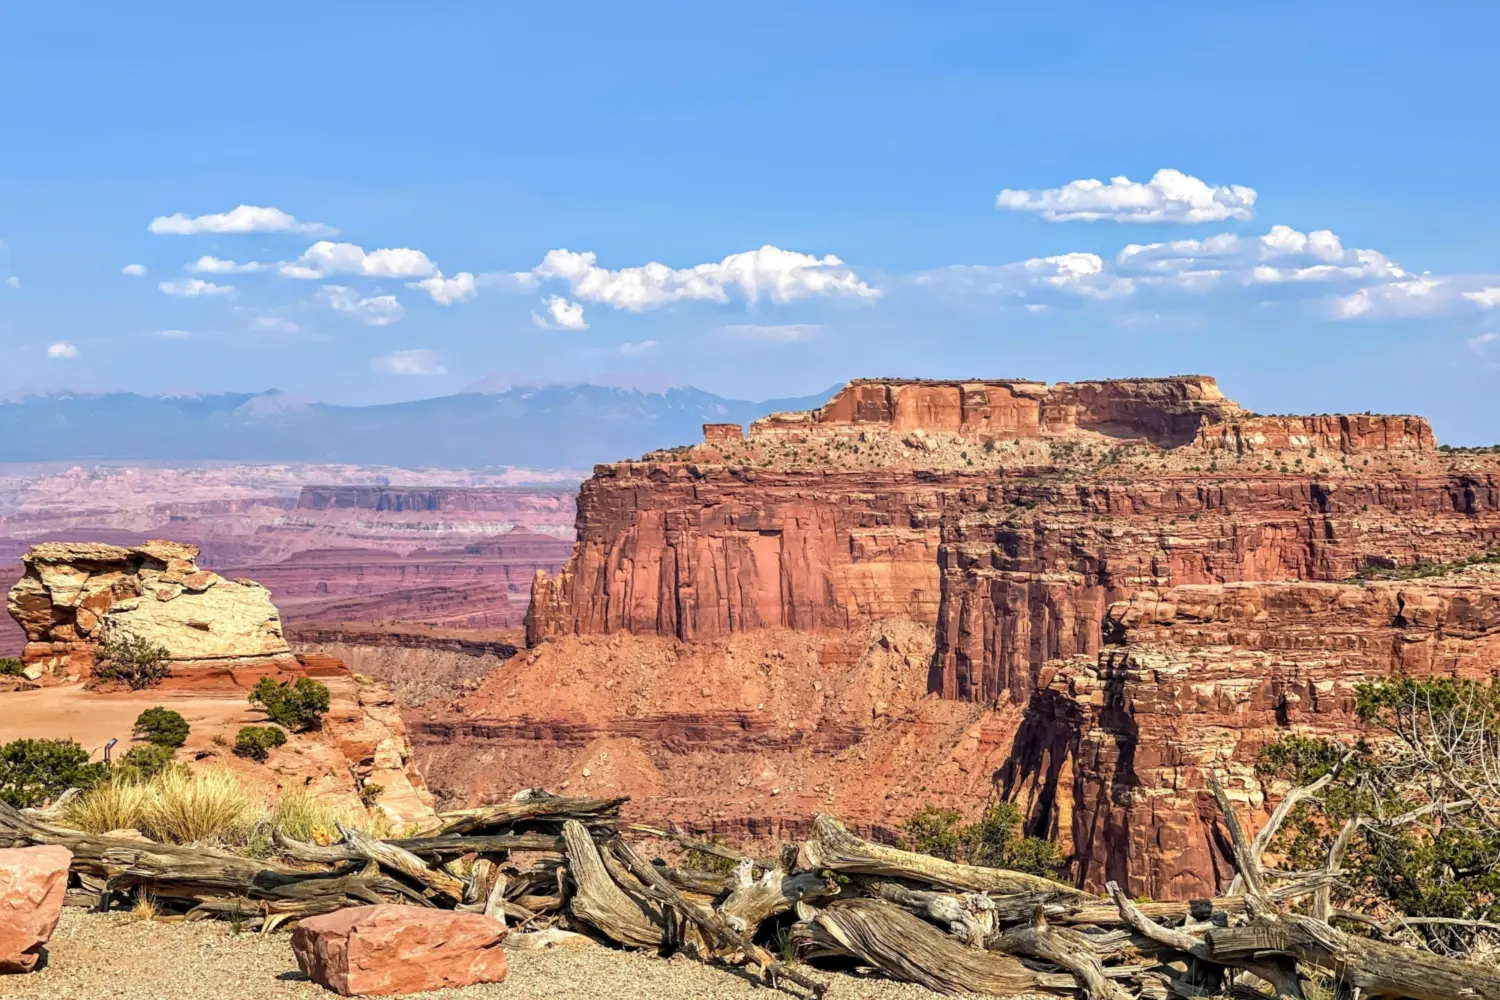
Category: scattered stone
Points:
column 33, row 881
column 391, row 950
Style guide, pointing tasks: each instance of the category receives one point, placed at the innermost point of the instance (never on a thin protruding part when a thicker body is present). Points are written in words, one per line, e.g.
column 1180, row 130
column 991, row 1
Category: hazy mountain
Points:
column 556, row 426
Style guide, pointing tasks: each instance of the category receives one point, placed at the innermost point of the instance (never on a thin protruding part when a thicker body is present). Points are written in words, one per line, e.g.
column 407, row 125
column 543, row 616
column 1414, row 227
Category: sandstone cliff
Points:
column 1013, row 525
column 73, row 596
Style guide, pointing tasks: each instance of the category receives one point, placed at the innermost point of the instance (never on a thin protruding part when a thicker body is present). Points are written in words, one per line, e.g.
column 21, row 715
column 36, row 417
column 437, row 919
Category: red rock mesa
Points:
column 931, row 592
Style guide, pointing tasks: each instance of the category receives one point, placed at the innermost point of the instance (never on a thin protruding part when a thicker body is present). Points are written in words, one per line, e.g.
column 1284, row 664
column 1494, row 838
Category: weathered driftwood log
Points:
column 971, row 917
column 427, row 847
column 907, row 948
column 1065, row 947
column 833, row 847
column 754, row 900
column 402, row 862
column 536, row 809
column 601, row 903
column 714, row 927
column 1377, row 968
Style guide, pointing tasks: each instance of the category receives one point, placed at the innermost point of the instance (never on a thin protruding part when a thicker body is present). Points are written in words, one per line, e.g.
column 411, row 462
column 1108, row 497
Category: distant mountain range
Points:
column 549, row 426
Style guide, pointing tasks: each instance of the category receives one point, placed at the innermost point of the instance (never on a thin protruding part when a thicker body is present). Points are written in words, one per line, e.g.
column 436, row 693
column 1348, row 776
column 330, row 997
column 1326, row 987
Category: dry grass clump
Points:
column 214, row 806
column 304, row 816
column 117, row 804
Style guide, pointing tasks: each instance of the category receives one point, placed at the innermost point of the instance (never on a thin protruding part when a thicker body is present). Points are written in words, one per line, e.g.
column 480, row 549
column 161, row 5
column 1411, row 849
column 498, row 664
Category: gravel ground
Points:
column 98, row 956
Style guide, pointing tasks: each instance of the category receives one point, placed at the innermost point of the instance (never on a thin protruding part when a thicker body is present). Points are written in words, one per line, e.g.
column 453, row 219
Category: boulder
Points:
column 389, row 950
column 33, row 881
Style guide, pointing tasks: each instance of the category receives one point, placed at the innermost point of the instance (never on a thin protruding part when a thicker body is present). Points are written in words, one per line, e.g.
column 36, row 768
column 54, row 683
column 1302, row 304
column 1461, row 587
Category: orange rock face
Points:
column 392, row 950
column 33, row 881
column 1029, row 533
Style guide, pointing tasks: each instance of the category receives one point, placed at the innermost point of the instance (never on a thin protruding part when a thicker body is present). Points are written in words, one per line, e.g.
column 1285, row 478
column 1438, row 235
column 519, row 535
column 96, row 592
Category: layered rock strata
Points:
column 1001, row 520
column 74, row 596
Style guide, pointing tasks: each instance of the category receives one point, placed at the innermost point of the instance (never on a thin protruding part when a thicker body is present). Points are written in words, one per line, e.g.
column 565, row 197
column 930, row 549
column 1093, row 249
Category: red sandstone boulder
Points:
column 32, row 883
column 386, row 950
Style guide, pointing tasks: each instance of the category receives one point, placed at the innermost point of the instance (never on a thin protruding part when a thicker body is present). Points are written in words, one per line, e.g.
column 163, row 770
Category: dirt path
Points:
column 115, row 956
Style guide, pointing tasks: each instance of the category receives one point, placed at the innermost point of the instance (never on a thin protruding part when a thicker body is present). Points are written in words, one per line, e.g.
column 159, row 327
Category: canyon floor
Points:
column 120, row 957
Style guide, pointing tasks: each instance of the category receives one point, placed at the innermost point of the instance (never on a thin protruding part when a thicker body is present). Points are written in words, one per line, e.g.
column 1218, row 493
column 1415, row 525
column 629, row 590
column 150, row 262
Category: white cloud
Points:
column 1415, row 297
column 1169, row 196
column 507, row 281
column 134, row 270
column 244, row 219
column 324, row 258
column 780, row 275
column 446, row 291
column 193, row 288
column 174, row 334
column 377, row 310
column 62, row 349
column 215, row 265
column 1070, row 274
column 274, row 324
column 640, row 347
column 1480, row 343
column 420, row 362
column 787, row 333
column 1485, row 298
column 564, row 315
column 13, row 281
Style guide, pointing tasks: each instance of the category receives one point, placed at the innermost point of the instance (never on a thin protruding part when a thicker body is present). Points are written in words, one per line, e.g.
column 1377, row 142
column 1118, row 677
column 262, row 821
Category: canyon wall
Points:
column 1014, row 526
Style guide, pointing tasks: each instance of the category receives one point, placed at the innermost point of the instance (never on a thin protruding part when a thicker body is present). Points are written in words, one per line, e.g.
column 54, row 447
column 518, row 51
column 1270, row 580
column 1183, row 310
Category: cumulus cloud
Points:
column 274, row 324
column 787, row 333
column 639, row 347
column 134, row 270
column 561, row 315
column 419, row 362
column 780, row 275
column 193, row 288
column 63, row 350
column 1284, row 264
column 243, row 219
column 215, row 265
column 323, row 259
column 1484, row 298
column 376, row 310
column 446, row 291
column 1169, row 196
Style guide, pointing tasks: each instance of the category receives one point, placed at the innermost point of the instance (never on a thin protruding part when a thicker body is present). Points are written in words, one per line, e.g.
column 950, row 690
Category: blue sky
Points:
column 866, row 145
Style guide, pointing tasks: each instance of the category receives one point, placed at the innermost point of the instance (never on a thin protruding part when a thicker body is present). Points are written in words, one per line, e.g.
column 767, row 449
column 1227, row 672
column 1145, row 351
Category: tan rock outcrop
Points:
column 74, row 595
column 33, row 881
column 393, row 950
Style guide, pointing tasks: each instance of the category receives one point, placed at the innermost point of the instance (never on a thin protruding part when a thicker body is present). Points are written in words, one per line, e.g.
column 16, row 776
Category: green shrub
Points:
column 991, row 842
column 143, row 763
column 34, row 772
column 10, row 667
column 161, row 727
column 297, row 707
column 257, row 742
column 138, row 662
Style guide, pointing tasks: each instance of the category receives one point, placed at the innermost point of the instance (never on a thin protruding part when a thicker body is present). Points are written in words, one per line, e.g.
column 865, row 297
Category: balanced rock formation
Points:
column 33, row 881
column 388, row 950
column 737, row 599
column 75, row 595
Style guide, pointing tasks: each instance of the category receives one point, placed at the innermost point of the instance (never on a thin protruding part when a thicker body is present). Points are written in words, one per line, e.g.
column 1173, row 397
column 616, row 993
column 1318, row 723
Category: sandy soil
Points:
column 70, row 712
column 115, row 956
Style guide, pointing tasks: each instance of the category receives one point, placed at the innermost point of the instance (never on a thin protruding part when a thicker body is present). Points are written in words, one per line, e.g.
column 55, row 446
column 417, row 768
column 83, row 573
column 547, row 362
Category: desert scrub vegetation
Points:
column 174, row 806
column 298, row 706
column 138, row 662
column 161, row 727
column 11, row 667
column 1410, row 813
column 993, row 841
column 1420, row 570
column 256, row 742
column 34, row 772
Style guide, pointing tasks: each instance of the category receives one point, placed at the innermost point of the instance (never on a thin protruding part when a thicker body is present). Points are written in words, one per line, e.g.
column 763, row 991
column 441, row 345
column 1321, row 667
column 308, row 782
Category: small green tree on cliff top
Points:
column 298, row 706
